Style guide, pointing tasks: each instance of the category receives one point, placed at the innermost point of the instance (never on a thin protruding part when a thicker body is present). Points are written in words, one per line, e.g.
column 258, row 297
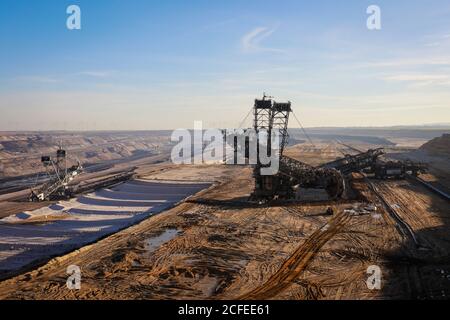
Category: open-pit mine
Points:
column 341, row 205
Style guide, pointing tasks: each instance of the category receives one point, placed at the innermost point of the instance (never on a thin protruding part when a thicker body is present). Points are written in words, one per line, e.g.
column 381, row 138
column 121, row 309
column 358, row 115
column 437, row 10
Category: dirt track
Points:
column 296, row 264
column 225, row 251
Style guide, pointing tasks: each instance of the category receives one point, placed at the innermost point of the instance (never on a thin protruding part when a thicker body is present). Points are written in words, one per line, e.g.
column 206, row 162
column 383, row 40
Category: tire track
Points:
column 404, row 227
column 299, row 260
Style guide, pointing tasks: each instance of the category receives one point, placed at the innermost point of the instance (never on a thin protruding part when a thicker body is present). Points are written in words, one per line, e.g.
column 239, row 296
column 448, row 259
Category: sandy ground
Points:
column 439, row 167
column 32, row 236
column 217, row 246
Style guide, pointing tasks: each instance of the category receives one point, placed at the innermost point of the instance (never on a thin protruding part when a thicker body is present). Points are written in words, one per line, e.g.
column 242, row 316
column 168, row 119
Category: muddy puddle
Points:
column 154, row 243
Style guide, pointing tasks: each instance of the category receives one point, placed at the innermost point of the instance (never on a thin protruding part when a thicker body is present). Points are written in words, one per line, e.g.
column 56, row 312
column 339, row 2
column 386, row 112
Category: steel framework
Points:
column 273, row 117
column 59, row 177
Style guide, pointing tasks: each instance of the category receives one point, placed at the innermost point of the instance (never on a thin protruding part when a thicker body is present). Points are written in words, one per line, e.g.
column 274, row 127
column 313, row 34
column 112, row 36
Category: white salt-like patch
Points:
column 85, row 219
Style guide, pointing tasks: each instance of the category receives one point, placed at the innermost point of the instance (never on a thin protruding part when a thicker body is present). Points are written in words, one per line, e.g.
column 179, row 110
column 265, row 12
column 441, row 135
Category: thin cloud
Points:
column 251, row 42
column 407, row 63
column 95, row 74
column 38, row 79
column 219, row 25
column 421, row 80
column 418, row 77
column 437, row 41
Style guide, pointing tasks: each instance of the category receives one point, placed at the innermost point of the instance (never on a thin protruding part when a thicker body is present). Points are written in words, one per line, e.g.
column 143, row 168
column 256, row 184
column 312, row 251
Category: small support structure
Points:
column 59, row 177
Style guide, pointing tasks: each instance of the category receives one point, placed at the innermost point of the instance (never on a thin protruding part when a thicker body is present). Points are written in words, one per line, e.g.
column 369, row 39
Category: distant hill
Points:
column 20, row 153
column 438, row 146
column 419, row 132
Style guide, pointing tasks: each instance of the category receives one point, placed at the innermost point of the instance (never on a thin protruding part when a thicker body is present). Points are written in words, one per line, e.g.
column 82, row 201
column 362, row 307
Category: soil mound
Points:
column 438, row 146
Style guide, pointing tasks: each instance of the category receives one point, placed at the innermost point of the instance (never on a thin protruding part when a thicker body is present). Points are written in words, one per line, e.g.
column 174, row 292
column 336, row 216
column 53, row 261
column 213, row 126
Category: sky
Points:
column 145, row 65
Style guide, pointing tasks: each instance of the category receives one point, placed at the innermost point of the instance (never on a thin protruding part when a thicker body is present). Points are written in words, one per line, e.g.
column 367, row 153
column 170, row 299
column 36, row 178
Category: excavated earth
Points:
column 217, row 245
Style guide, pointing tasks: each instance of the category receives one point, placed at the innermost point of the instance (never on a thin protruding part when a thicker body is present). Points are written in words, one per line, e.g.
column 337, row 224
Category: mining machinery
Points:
column 370, row 162
column 271, row 116
column 355, row 163
column 58, row 178
column 397, row 169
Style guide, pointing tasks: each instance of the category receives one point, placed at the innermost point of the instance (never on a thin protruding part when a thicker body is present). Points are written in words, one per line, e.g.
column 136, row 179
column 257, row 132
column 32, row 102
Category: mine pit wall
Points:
column 55, row 249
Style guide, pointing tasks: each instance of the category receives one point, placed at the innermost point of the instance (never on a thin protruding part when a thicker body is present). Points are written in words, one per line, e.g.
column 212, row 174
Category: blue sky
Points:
column 163, row 64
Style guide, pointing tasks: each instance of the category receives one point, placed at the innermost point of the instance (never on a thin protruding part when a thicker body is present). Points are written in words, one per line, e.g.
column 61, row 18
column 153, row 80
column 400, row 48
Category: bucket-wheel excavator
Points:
column 273, row 117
